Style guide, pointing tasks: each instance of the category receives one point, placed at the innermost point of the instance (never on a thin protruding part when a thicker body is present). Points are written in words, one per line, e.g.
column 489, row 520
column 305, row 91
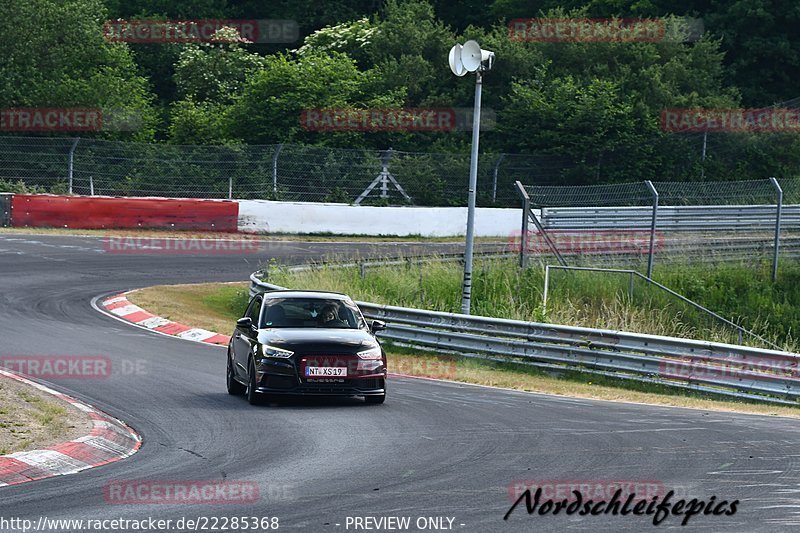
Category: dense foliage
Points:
column 594, row 106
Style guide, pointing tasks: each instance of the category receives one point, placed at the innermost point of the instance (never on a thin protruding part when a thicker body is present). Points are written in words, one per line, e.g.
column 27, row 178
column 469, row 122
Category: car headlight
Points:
column 272, row 351
column 372, row 353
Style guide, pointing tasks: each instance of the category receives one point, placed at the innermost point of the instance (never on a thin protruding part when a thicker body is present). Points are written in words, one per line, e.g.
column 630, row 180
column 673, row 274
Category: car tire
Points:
column 234, row 387
column 253, row 397
column 375, row 400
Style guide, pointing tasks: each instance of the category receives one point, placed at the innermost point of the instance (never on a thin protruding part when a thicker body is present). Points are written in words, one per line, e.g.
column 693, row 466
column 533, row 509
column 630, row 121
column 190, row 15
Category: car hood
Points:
column 318, row 340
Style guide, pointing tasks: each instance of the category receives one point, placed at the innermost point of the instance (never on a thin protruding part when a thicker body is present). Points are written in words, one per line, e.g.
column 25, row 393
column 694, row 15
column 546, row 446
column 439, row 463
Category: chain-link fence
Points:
column 278, row 172
column 319, row 174
column 659, row 221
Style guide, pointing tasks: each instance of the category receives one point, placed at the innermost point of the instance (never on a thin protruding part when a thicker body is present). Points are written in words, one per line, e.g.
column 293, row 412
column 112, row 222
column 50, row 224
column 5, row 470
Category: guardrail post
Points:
column 71, row 161
column 779, row 208
column 654, row 192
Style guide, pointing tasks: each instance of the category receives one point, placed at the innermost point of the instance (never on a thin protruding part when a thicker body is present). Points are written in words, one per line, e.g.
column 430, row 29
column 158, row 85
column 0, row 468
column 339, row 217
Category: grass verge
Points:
column 216, row 306
column 743, row 293
column 31, row 419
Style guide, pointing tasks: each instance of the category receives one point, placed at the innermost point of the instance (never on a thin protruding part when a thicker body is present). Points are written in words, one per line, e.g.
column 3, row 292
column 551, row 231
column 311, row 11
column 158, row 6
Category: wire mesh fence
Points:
column 654, row 222
column 276, row 172
column 324, row 174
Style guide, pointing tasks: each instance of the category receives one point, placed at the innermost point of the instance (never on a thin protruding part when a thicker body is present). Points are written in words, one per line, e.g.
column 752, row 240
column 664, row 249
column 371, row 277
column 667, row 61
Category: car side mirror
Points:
column 245, row 323
column 377, row 325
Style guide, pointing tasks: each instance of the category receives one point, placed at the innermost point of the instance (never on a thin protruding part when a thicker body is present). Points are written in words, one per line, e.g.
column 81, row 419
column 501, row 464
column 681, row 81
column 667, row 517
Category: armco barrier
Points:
column 672, row 218
column 5, row 210
column 725, row 369
column 96, row 212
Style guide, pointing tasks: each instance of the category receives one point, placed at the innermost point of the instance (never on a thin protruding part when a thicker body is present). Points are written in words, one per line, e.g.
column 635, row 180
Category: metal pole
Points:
column 230, row 187
column 71, row 160
column 652, row 228
column 91, row 185
column 466, row 292
column 779, row 209
column 546, row 285
column 275, row 171
column 630, row 287
column 526, row 206
column 703, row 164
column 494, row 177
column 523, row 241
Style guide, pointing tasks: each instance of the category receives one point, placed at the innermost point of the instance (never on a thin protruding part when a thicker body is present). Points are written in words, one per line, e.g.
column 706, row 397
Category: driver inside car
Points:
column 329, row 319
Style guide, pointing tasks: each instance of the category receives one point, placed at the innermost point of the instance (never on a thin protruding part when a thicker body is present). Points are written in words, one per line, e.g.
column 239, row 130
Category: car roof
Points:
column 306, row 294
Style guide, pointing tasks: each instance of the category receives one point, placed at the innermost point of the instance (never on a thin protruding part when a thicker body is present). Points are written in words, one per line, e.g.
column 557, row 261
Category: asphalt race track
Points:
column 433, row 450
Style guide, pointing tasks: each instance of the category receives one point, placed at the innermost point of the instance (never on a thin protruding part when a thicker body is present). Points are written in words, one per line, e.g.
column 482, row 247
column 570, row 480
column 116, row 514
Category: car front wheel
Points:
column 252, row 396
column 234, row 387
column 377, row 400
column 374, row 400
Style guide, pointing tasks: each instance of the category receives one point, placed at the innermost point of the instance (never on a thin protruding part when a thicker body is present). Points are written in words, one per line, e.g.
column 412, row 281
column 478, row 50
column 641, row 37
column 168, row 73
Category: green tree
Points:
column 55, row 55
column 269, row 109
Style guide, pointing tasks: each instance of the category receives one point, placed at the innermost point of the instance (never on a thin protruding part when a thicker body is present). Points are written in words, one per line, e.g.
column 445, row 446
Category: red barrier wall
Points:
column 96, row 212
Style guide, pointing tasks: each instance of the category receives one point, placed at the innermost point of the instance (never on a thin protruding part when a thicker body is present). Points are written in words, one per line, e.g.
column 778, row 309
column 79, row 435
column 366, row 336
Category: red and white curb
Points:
column 120, row 307
column 109, row 440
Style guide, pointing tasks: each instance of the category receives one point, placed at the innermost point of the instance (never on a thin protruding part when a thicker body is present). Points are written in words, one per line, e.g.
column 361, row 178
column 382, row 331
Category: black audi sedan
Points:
column 306, row 342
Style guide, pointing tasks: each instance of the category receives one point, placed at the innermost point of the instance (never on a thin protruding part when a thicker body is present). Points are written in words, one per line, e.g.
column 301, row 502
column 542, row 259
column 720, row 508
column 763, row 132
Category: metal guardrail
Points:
column 725, row 369
column 365, row 265
column 672, row 218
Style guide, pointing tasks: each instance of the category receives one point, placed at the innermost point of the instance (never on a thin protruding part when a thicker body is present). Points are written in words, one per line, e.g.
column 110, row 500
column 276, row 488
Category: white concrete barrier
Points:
column 264, row 216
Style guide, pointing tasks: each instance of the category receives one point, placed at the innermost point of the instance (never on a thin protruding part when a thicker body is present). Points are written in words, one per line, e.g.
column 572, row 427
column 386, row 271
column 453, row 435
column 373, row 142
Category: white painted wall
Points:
column 264, row 216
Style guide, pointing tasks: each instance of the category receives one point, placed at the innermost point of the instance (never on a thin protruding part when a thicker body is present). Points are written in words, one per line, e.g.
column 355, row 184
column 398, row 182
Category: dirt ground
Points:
column 31, row 419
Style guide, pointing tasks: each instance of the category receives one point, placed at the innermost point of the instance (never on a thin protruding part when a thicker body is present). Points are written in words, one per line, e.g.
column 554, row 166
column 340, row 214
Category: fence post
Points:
column 778, row 211
column 230, row 187
column 275, row 171
column 494, row 177
column 523, row 237
column 652, row 228
column 630, row 287
column 546, row 287
column 91, row 185
column 526, row 208
column 72, row 160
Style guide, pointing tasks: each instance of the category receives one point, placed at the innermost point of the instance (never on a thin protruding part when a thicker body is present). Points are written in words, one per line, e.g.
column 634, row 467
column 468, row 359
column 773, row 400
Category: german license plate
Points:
column 326, row 371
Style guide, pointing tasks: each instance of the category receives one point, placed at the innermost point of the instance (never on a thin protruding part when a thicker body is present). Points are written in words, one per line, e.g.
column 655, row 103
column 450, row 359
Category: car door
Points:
column 243, row 339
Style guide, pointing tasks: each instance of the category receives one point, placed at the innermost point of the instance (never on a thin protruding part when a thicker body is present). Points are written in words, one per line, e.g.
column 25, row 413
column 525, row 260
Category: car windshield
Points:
column 311, row 313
